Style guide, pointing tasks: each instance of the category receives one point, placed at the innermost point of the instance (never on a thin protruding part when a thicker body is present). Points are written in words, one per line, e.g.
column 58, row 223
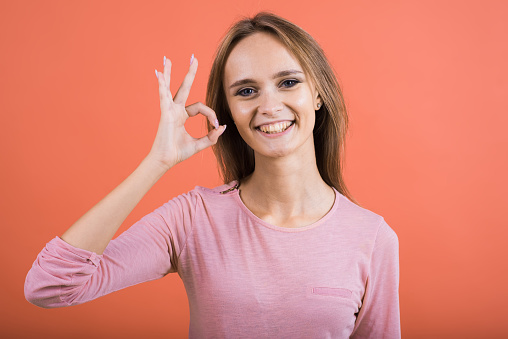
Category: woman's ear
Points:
column 318, row 102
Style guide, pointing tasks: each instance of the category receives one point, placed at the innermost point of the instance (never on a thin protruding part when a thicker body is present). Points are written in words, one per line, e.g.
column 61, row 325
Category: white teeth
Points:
column 275, row 128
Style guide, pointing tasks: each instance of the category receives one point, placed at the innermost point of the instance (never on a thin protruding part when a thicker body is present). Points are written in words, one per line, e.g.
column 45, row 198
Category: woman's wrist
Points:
column 155, row 165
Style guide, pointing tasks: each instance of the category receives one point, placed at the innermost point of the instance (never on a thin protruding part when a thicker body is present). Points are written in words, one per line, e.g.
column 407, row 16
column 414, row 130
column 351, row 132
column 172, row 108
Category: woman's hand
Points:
column 172, row 143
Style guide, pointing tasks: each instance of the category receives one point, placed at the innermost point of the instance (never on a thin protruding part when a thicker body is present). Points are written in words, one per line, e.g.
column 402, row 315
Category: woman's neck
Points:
column 287, row 191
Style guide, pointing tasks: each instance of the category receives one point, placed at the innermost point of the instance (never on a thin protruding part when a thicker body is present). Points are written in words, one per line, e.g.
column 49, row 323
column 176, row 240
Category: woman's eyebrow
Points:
column 241, row 82
column 286, row 73
column 275, row 76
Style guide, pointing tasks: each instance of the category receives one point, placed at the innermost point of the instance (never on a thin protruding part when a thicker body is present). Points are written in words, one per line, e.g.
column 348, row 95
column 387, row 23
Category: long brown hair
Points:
column 234, row 156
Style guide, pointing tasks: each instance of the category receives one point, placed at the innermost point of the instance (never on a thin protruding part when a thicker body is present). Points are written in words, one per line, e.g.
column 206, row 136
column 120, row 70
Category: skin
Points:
column 264, row 83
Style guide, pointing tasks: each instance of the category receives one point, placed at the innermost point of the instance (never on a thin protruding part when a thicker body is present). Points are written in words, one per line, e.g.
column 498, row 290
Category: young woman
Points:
column 278, row 251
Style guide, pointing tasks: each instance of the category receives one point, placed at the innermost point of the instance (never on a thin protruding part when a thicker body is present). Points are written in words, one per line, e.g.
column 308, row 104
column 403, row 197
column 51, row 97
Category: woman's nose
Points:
column 270, row 103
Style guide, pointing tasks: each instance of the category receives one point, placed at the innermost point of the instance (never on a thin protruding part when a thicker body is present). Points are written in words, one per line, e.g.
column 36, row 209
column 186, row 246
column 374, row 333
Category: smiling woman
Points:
column 280, row 250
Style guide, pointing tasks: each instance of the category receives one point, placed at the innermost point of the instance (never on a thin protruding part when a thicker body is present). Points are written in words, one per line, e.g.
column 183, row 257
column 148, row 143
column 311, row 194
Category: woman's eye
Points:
column 290, row 82
column 245, row 92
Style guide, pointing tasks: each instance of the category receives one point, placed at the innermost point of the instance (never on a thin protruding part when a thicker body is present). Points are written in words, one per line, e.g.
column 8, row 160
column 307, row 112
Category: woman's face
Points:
column 271, row 99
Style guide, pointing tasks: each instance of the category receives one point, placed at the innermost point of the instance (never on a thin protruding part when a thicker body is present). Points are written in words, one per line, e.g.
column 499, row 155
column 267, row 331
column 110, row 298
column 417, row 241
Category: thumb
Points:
column 209, row 139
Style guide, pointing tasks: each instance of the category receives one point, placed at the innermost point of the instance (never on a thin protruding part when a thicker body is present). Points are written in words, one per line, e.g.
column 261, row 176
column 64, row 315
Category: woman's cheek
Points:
column 302, row 103
column 242, row 113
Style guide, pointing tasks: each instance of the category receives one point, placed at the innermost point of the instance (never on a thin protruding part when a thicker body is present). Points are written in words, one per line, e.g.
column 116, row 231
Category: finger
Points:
column 183, row 92
column 199, row 107
column 163, row 87
column 164, row 93
column 209, row 139
column 167, row 72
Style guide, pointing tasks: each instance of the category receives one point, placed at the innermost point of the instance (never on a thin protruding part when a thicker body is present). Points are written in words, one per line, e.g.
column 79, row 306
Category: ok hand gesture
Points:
column 172, row 143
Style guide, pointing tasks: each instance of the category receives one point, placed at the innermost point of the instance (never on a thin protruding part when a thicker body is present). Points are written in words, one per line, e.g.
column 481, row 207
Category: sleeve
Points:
column 63, row 275
column 379, row 316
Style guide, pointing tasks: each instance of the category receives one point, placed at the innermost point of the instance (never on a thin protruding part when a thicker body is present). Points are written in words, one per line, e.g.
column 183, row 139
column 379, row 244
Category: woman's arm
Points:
column 85, row 263
column 172, row 144
column 64, row 275
column 379, row 316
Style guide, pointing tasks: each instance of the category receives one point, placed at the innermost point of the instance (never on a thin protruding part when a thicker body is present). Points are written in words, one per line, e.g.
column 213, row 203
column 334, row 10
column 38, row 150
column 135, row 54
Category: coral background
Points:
column 426, row 86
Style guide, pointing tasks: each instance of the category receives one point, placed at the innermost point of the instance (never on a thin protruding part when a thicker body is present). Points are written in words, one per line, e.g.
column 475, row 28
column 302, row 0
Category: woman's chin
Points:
column 275, row 151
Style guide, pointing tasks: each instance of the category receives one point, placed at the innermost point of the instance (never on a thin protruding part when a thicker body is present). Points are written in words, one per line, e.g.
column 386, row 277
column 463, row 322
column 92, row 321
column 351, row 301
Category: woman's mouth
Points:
column 278, row 127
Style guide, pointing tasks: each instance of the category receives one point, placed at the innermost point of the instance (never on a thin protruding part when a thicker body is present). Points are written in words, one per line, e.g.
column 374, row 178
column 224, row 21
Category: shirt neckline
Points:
column 232, row 189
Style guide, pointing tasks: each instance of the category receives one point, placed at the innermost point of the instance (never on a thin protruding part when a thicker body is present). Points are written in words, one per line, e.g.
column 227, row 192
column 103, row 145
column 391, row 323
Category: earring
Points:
column 318, row 105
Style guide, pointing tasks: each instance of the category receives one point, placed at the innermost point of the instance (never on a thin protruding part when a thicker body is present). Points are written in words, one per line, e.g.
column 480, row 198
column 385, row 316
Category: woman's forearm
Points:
column 96, row 228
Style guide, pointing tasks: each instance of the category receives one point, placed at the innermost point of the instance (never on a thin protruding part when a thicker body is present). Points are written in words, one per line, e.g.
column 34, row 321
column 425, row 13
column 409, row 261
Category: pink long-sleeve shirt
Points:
column 245, row 278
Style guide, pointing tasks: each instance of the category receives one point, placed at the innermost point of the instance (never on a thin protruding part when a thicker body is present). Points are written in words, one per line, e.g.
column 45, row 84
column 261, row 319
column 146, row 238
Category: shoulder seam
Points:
column 381, row 220
column 188, row 235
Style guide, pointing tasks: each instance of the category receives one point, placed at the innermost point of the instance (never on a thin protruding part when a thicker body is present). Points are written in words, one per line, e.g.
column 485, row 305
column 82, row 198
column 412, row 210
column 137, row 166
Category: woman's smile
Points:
column 275, row 128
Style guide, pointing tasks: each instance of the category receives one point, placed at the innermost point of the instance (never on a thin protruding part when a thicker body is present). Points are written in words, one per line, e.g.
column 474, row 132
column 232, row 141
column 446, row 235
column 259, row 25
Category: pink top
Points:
column 336, row 278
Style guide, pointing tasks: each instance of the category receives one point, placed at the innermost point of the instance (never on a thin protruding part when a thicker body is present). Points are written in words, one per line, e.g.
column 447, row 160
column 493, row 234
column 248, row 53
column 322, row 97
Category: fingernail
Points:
column 216, row 123
column 164, row 60
column 225, row 128
column 191, row 59
column 156, row 74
